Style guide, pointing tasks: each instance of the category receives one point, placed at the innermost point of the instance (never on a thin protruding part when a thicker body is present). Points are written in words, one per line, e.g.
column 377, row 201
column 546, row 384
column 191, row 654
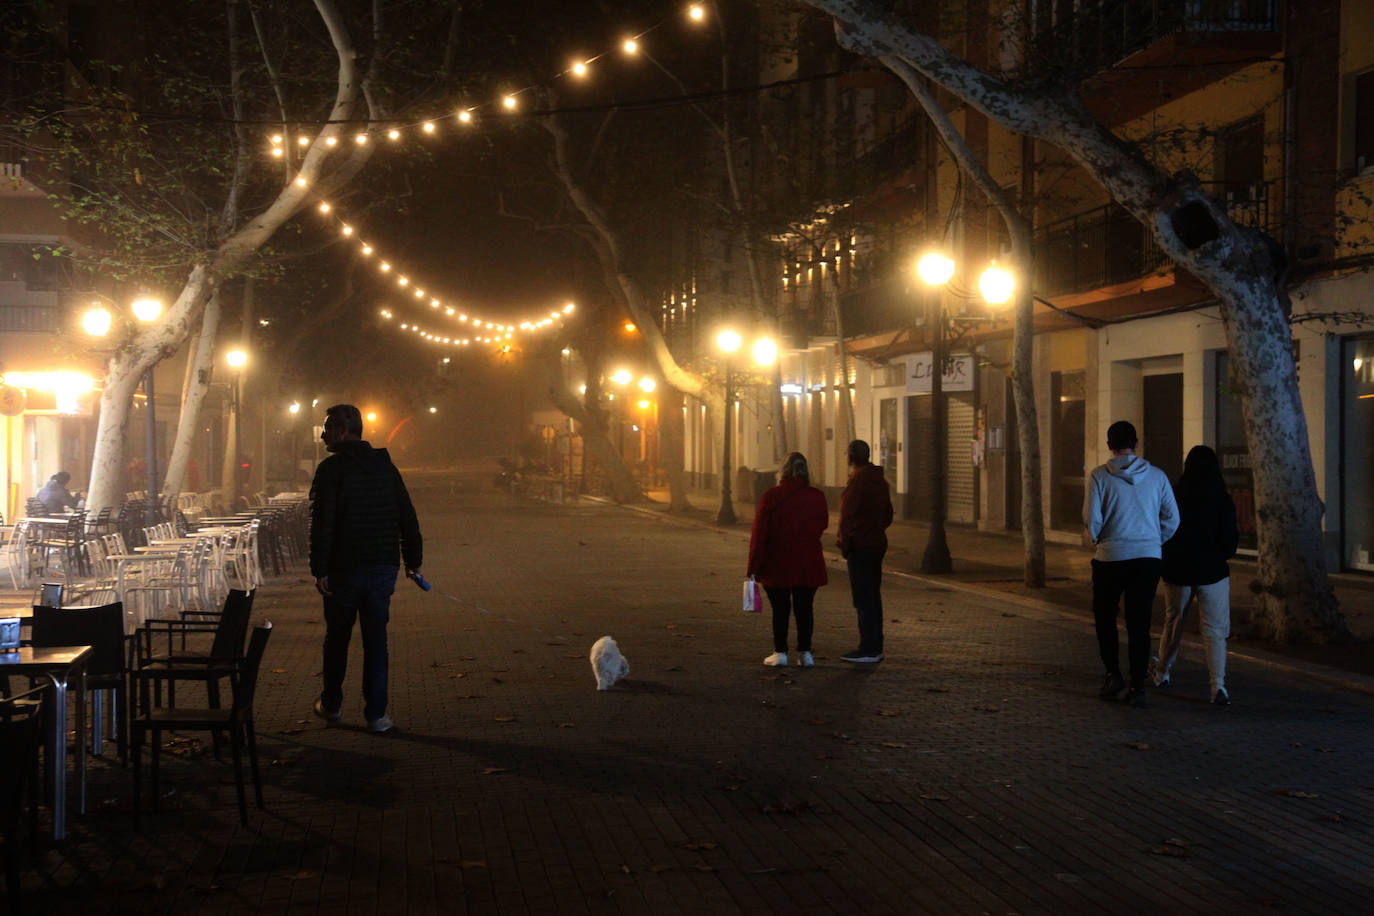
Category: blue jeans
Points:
column 362, row 594
column 865, row 585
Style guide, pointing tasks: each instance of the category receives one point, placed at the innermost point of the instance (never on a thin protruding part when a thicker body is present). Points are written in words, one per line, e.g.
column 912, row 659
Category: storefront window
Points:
column 1067, row 413
column 1357, row 455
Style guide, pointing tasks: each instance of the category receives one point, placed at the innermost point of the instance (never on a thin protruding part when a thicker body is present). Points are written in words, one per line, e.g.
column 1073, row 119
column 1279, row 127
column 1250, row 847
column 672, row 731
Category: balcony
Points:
column 1123, row 42
column 877, row 307
column 1106, row 246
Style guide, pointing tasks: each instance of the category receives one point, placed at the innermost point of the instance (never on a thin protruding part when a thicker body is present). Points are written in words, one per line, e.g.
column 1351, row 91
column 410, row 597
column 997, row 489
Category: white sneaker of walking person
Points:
column 807, row 661
column 776, row 660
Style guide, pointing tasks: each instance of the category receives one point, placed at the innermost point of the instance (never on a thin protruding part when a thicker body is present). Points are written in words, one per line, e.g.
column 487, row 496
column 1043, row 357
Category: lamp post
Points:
column 996, row 284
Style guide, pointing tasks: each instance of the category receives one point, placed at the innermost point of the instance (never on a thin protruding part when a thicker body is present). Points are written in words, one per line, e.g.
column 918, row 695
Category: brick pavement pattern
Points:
column 974, row 771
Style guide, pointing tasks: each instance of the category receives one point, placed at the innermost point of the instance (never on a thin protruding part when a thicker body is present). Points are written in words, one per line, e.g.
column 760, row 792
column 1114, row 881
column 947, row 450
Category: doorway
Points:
column 1163, row 432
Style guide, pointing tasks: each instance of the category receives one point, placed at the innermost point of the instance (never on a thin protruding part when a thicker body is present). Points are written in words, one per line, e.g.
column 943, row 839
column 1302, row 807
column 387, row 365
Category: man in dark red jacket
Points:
column 865, row 514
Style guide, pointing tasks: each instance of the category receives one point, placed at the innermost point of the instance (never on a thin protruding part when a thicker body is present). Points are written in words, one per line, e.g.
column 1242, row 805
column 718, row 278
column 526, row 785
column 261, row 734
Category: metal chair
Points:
column 102, row 628
column 237, row 721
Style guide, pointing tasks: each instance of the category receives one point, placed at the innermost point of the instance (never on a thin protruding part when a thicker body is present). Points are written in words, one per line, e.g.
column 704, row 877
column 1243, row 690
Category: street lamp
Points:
column 764, row 351
column 997, row 285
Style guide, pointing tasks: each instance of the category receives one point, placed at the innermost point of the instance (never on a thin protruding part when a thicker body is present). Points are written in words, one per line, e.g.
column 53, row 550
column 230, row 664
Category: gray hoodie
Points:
column 1129, row 509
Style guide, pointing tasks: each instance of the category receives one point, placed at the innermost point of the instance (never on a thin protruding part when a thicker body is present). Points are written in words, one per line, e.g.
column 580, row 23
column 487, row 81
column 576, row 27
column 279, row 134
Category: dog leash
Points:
column 420, row 581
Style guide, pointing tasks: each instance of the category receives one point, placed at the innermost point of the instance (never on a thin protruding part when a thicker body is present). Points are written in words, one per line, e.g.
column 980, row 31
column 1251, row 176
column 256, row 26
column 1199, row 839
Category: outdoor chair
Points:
column 20, row 736
column 102, row 628
column 226, row 630
column 237, row 721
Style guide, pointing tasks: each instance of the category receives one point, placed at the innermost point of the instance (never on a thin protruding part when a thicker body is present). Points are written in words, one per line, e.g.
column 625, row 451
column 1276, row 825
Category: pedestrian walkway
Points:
column 974, row 771
column 992, row 563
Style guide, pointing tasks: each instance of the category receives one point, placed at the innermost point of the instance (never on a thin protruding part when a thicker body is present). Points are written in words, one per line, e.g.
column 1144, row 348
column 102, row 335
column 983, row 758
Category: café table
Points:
column 65, row 669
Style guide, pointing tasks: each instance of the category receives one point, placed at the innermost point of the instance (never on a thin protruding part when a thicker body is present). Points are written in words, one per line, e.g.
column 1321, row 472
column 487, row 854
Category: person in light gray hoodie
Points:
column 1129, row 511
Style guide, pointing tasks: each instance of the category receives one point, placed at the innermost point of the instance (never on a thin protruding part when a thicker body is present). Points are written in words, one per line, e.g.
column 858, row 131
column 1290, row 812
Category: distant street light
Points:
column 97, row 320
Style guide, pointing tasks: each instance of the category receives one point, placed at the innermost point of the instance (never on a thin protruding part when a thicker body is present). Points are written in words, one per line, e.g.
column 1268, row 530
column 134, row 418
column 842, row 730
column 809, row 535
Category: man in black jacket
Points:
column 361, row 519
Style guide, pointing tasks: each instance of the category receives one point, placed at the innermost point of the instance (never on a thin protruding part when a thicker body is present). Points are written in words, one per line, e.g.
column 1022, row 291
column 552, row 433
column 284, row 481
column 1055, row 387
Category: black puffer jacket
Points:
column 1206, row 536
column 360, row 512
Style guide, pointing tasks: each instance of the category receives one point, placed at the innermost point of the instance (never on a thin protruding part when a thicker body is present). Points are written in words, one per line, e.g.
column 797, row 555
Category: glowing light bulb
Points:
column 427, row 127
column 385, row 267
column 935, row 269
column 236, row 358
column 997, row 285
column 404, row 281
column 295, row 407
column 98, row 319
column 647, row 385
column 568, row 308
column 631, row 46
column 419, row 294
column 360, row 139
column 622, row 376
column 302, row 141
column 697, row 12
column 465, row 116
column 371, row 416
column 277, row 152
column 393, row 134
column 147, row 308
column 765, row 351
column 325, row 208
column 331, row 141
column 579, row 69
column 276, row 138
column 729, row 341
column 347, row 230
column 367, row 249
column 301, row 182
column 509, row 102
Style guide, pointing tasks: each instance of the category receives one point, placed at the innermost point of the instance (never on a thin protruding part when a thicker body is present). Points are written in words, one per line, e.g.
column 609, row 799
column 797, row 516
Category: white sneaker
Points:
column 378, row 726
column 1161, row 677
column 807, row 661
column 776, row 660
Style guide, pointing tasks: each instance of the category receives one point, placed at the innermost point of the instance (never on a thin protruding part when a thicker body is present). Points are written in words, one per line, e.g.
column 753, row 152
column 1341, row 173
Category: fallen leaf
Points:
column 456, row 676
column 493, row 771
column 699, row 847
column 937, row 690
column 1295, row 793
column 1138, row 746
column 1325, row 750
column 472, row 696
column 566, row 725
column 278, row 670
column 298, row 876
column 893, row 744
column 1007, row 614
column 504, row 719
column 441, row 664
column 817, row 721
column 703, row 867
column 626, row 869
column 889, row 712
column 936, row 797
column 290, row 731
column 988, row 708
column 1178, row 852
column 517, row 651
column 674, row 668
column 497, row 680
column 312, row 620
column 1334, row 818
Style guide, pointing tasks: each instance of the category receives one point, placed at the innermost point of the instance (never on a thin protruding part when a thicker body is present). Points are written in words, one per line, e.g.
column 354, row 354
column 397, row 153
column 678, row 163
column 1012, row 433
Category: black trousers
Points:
column 787, row 601
column 1137, row 579
column 865, row 584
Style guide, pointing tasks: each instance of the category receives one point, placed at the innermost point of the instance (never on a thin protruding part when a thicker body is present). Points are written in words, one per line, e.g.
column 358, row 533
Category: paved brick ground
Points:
column 972, row 772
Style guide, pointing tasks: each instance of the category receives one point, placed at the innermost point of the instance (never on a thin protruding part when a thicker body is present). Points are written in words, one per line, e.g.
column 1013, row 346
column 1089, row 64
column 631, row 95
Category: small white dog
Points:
column 608, row 664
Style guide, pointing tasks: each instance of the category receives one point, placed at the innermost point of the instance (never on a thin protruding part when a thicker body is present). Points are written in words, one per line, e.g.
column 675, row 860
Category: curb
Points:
column 1346, row 680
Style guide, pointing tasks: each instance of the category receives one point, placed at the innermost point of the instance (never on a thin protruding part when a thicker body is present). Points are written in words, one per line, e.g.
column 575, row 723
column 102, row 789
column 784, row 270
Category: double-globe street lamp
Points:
column 764, row 351
column 97, row 323
column 996, row 285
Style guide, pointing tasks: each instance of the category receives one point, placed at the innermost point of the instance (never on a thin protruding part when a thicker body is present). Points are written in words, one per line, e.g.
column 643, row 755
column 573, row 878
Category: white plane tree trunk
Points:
column 163, row 337
column 1296, row 602
column 198, row 375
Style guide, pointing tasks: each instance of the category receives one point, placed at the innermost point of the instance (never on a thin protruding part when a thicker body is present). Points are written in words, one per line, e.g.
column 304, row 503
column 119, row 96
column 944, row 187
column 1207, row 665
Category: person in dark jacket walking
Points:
column 361, row 520
column 785, row 555
column 865, row 514
column 1194, row 566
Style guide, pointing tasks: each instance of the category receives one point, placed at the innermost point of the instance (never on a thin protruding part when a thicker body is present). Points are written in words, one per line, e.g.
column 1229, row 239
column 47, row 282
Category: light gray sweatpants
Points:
column 1214, row 606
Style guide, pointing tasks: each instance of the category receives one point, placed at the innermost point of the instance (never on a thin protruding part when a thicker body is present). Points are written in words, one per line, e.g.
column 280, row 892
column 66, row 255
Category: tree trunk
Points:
column 596, row 439
column 200, row 369
column 1234, row 263
column 672, row 428
column 166, row 335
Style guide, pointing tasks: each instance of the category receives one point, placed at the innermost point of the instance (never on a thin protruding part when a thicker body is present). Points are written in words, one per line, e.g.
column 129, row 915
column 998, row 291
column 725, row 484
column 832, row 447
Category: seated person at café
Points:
column 55, row 495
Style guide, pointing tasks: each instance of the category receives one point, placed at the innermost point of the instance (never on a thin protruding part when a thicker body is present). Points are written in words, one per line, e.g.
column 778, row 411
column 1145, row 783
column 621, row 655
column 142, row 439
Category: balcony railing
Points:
column 1106, row 245
column 40, row 318
column 1101, row 34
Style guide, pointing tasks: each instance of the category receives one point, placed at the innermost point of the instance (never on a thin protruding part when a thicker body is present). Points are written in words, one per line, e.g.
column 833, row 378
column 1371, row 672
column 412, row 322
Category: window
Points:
column 1364, row 121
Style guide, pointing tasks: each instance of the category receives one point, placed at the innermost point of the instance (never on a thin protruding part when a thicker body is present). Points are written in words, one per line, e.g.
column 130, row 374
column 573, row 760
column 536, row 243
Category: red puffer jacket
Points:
column 785, row 547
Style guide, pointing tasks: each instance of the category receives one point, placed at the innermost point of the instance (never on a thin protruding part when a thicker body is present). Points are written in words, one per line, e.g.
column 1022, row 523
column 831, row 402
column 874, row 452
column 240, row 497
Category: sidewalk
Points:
column 990, row 564
column 972, row 772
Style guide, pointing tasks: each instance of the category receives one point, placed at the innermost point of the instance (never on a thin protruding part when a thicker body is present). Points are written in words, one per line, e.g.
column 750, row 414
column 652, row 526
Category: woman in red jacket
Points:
column 785, row 555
